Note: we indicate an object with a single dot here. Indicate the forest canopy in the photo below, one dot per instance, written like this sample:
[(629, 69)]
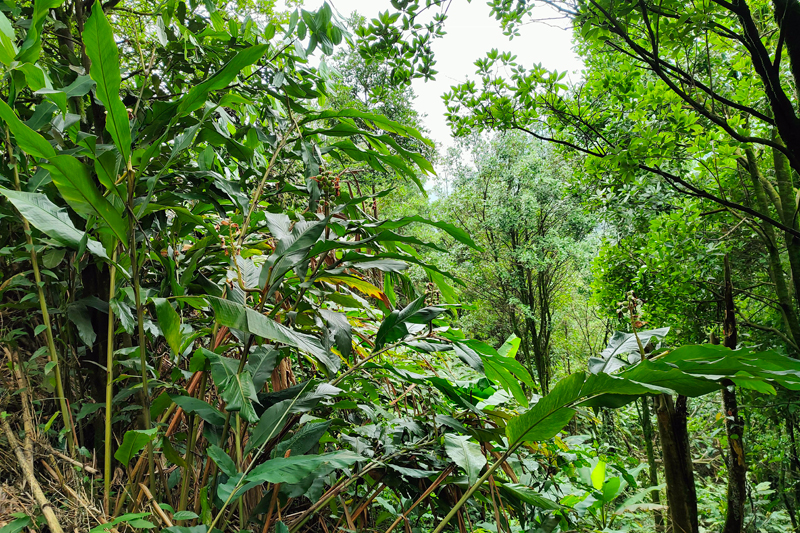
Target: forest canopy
[(243, 290)]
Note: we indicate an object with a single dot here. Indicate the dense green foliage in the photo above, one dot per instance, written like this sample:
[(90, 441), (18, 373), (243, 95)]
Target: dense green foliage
[(236, 298)]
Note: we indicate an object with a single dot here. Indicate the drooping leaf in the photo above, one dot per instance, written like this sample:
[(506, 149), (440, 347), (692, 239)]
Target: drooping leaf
[(202, 408), (76, 186), (197, 95), (170, 323), (342, 332), (237, 316), (239, 395), (48, 218), (304, 440), (134, 441), (222, 459), (261, 363), (466, 454), (529, 496), (31, 142), (294, 469)]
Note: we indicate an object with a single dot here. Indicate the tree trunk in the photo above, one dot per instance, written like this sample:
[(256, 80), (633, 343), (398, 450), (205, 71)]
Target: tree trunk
[(734, 425), (787, 15), (775, 264), (678, 471), (647, 429)]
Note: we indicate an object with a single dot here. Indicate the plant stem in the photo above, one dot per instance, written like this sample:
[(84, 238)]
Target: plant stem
[(51, 345), (239, 465), (473, 488), (109, 383), (132, 250), (187, 473)]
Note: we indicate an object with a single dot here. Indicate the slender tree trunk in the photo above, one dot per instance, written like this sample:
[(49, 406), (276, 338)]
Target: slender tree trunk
[(734, 425), (678, 471), (775, 265), (647, 429), (783, 175)]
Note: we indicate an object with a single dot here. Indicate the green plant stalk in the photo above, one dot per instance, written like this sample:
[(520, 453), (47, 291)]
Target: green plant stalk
[(132, 250), (647, 429), (238, 437), (468, 494), (341, 485), (252, 463), (51, 345), (194, 424), (109, 383)]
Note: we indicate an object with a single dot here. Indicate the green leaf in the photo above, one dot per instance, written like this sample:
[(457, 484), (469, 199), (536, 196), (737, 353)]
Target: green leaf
[(16, 526), (198, 94), (128, 517), (184, 515), (170, 324), (457, 233), (76, 186), (612, 488), (223, 460), (466, 454), (8, 50), (102, 49), (304, 440), (32, 46), (203, 409), (202, 528), (239, 394), (239, 317), (599, 474), (31, 142), (295, 469), (261, 363), (529, 496), (48, 218), (133, 442), (545, 419), (171, 454)]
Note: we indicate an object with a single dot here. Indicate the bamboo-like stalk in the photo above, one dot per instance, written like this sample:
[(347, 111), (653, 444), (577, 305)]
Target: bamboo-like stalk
[(36, 489), (154, 504), (194, 423), (109, 384), (27, 419), (468, 494), (239, 465), (133, 251), (447, 471), (51, 345)]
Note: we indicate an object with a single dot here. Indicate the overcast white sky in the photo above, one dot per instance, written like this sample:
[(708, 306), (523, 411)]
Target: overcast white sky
[(471, 32)]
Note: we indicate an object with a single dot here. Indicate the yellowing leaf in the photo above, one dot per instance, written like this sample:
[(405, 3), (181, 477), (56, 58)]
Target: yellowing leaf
[(357, 283)]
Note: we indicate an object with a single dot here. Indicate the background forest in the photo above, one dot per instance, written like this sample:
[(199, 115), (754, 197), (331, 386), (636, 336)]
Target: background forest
[(243, 291)]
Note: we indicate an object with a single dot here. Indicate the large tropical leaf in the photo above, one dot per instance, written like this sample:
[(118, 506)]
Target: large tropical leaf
[(466, 454), (102, 49), (198, 94), (31, 142), (76, 186), (237, 316), (295, 469), (170, 323), (50, 219), (134, 441)]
